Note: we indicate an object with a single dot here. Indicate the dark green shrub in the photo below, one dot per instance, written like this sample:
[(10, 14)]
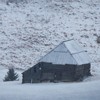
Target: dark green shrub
[(11, 75)]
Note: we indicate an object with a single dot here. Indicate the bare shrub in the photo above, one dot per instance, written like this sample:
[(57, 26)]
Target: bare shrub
[(98, 39)]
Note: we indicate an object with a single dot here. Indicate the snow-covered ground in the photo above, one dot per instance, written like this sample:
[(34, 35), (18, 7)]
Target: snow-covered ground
[(89, 89), (29, 31), (50, 91)]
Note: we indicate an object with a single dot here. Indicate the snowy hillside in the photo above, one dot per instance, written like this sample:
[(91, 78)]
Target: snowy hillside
[(29, 31)]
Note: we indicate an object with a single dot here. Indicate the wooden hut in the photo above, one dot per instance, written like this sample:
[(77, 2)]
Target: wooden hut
[(66, 62)]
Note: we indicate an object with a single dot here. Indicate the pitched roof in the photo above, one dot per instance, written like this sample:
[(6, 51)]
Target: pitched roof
[(68, 52)]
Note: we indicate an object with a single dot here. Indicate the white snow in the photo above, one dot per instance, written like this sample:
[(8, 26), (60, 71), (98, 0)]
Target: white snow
[(50, 91), (89, 89), (29, 31)]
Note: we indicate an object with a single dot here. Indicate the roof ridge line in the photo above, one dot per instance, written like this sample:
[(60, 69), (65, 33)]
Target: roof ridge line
[(79, 52), (74, 53), (67, 40), (50, 51), (61, 51), (71, 54), (54, 48)]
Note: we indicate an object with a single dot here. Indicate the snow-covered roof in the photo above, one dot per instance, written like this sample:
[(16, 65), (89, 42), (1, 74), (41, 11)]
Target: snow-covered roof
[(68, 52)]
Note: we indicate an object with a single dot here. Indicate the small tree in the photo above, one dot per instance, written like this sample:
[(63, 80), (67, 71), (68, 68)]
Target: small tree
[(11, 75)]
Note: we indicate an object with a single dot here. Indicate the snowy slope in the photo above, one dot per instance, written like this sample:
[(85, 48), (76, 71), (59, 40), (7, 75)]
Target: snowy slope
[(28, 31)]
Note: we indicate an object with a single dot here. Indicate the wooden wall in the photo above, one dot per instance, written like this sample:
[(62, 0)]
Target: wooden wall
[(54, 73)]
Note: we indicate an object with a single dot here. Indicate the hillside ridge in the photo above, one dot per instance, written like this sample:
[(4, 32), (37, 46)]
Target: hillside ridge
[(29, 31)]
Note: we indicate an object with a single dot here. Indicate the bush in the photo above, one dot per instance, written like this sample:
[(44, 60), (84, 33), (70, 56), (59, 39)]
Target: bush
[(11, 75), (98, 39)]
